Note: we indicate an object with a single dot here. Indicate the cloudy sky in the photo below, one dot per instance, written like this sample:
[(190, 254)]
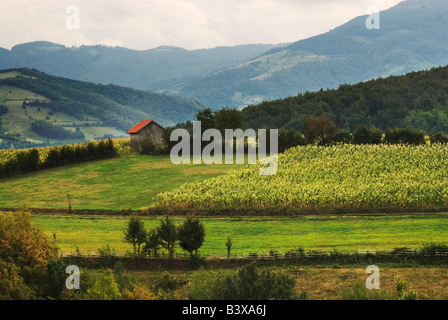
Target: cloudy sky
[(191, 24)]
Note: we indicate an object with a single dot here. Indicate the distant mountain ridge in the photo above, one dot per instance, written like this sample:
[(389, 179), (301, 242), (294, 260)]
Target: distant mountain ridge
[(412, 36), (139, 69)]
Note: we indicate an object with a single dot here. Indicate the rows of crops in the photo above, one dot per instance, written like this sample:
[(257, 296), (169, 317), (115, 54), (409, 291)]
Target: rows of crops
[(345, 176)]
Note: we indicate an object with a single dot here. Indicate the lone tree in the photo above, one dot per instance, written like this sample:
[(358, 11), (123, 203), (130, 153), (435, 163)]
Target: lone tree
[(152, 243), (135, 233), (229, 246), (191, 235), (167, 232), (319, 129)]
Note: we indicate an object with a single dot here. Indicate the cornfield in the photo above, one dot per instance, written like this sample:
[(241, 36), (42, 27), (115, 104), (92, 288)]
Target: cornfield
[(344, 176)]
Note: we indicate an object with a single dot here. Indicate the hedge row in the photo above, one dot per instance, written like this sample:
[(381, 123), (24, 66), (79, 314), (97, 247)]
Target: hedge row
[(23, 161)]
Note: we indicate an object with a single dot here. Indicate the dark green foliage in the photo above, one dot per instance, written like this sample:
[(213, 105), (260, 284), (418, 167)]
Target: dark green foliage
[(342, 136), (47, 130), (252, 283), (28, 160), (25, 161), (228, 118), (417, 99), (147, 146), (404, 136), (135, 234), (206, 117), (438, 137), (167, 232), (288, 139), (367, 135), (152, 243), (191, 235), (3, 110)]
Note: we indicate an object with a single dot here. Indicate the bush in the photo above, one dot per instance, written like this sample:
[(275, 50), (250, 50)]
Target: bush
[(3, 110), (367, 135), (147, 146), (289, 139), (342, 136), (404, 136), (438, 137), (250, 283)]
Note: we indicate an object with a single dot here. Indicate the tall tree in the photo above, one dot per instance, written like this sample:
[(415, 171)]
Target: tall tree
[(135, 233), (191, 235), (207, 119), (167, 232)]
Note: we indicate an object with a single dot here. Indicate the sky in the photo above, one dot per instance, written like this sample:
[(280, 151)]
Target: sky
[(190, 24)]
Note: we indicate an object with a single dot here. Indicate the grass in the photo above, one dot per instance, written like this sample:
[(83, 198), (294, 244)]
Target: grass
[(260, 235), (127, 182)]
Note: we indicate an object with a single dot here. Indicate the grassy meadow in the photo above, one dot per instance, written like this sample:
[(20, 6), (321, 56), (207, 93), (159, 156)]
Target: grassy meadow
[(260, 235), (127, 182)]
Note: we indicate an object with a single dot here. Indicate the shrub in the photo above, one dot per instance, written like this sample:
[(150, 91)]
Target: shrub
[(438, 137), (147, 146), (404, 136), (289, 139), (341, 136), (251, 283), (367, 135)]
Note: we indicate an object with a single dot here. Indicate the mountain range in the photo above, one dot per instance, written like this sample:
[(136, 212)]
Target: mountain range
[(138, 69), (412, 36)]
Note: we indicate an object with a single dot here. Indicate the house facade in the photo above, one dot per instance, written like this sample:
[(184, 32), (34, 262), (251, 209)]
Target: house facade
[(146, 129)]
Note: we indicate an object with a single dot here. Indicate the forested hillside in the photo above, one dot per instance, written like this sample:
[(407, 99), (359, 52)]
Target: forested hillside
[(44, 110), (417, 99)]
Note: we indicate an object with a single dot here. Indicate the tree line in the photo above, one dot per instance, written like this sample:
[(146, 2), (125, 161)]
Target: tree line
[(319, 130), (190, 236), (416, 100), (30, 160)]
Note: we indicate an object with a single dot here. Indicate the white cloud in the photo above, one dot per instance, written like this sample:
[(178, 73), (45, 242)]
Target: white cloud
[(143, 24)]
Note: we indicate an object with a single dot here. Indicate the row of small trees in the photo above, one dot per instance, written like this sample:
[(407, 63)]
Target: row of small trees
[(29, 160), (190, 236)]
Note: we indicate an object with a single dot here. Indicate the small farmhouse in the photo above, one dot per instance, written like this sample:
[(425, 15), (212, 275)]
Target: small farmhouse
[(146, 129)]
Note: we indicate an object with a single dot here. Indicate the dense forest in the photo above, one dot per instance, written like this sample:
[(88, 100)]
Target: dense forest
[(47, 130), (416, 100)]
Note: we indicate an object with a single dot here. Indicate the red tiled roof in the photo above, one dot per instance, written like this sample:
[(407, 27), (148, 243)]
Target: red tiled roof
[(140, 126)]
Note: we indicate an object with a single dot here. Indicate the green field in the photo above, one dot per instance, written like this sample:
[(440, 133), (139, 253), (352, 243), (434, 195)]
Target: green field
[(260, 235), (127, 182)]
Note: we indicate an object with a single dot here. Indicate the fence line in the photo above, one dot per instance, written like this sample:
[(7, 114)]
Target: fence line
[(267, 256)]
